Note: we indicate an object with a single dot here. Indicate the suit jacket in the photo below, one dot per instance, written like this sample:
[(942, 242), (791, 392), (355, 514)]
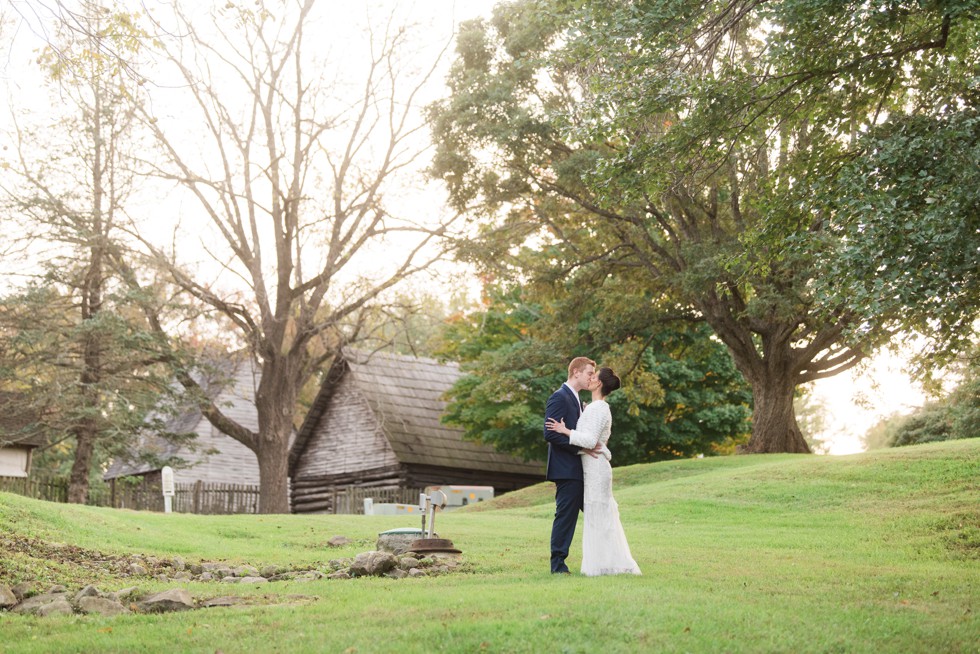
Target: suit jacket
[(564, 461)]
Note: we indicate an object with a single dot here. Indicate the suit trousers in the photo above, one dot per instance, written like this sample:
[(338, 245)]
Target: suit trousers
[(569, 496)]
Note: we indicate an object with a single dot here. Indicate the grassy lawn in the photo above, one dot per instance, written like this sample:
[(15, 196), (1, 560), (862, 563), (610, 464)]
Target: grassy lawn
[(875, 552)]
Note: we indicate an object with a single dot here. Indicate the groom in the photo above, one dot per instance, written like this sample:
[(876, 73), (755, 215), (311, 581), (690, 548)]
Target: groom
[(564, 463)]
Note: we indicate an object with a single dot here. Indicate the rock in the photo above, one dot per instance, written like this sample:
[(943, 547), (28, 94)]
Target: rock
[(211, 567), (309, 575), (175, 599), (184, 575), (178, 564), (7, 597), (228, 600), (162, 577), (408, 562), (137, 570), (337, 564), (88, 591), (270, 571), (339, 541), (415, 572), (375, 564), (101, 606), (58, 607), (57, 588), (340, 574), (221, 573), (253, 580), (24, 589), (397, 573), (195, 568), (35, 605), (205, 576), (230, 580), (246, 571)]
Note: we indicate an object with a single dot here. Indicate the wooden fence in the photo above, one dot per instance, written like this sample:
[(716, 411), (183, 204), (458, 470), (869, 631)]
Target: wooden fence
[(197, 497), (145, 496), (351, 499)]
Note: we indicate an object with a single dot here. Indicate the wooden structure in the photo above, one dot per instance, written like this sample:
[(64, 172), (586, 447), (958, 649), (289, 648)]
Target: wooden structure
[(18, 437), (376, 424), (212, 457)]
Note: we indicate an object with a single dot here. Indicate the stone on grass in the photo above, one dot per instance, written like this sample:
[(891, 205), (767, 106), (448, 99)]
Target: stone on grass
[(270, 571), (408, 562), (415, 572), (397, 573), (340, 574), (339, 541), (246, 571), (175, 599), (35, 605), (368, 564), (7, 597), (254, 580), (101, 606), (137, 570), (24, 589), (88, 591)]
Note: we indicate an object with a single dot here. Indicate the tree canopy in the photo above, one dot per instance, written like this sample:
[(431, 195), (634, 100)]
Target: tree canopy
[(714, 151)]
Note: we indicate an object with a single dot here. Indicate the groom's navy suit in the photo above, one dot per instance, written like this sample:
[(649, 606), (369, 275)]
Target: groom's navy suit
[(565, 469)]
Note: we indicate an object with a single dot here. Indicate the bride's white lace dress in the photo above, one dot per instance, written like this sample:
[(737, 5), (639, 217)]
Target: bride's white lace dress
[(604, 547)]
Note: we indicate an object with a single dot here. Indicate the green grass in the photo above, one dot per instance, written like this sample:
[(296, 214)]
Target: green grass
[(876, 552)]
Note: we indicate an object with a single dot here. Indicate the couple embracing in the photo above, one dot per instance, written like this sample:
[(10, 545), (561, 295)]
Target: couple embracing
[(578, 463)]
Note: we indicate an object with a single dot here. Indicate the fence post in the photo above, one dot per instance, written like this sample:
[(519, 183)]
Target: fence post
[(197, 496)]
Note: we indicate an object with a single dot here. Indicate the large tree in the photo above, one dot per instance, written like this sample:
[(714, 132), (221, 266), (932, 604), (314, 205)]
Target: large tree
[(293, 179), (691, 144), (76, 349)]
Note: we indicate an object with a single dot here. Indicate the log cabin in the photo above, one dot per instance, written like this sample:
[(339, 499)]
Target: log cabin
[(211, 456), (376, 424)]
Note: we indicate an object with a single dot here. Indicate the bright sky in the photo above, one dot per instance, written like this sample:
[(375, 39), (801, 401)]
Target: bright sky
[(857, 399)]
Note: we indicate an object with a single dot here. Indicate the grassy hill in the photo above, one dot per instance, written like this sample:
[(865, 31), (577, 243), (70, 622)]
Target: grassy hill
[(876, 552)]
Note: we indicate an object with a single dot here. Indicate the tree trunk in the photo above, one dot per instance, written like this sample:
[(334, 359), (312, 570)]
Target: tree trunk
[(84, 448), (273, 456), (774, 427), (274, 401)]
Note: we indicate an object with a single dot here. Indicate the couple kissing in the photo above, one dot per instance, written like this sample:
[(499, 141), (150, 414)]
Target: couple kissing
[(578, 463)]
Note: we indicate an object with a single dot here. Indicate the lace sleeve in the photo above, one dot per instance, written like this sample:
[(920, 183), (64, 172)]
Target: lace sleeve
[(588, 431)]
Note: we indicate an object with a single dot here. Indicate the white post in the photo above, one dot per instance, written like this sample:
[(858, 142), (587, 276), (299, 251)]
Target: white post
[(167, 482), (368, 506)]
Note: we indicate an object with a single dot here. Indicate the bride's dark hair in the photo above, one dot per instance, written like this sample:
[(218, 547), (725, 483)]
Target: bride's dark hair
[(609, 380)]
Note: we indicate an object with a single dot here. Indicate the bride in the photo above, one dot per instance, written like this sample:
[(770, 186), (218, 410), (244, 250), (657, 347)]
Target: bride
[(604, 547)]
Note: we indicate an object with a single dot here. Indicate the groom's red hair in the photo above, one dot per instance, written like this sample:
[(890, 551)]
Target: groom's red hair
[(578, 363)]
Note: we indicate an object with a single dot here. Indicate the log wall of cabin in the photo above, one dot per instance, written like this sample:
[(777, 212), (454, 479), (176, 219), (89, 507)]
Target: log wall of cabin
[(347, 447)]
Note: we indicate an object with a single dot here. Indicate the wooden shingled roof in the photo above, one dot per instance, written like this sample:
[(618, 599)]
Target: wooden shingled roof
[(406, 395)]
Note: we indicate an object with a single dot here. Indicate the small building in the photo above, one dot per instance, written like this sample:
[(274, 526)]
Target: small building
[(212, 457), (19, 436), (376, 424)]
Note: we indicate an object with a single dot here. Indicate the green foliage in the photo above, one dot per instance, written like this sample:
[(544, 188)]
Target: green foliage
[(955, 416), (709, 152), (42, 359), (681, 396)]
